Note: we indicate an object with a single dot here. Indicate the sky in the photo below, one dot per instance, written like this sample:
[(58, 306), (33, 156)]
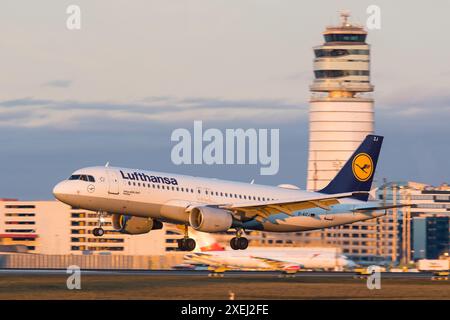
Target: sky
[(115, 90)]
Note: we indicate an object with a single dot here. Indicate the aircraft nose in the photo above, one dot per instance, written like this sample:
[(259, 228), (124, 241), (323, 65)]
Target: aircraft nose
[(59, 190)]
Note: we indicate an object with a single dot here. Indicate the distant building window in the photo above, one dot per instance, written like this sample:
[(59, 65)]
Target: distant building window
[(20, 206), (320, 74), (345, 37), (339, 52), (20, 230), (19, 214)]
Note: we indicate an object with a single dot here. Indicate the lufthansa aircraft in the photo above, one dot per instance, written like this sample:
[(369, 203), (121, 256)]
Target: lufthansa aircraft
[(140, 201)]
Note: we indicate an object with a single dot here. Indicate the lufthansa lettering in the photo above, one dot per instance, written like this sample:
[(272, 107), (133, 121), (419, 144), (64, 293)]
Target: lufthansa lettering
[(146, 178)]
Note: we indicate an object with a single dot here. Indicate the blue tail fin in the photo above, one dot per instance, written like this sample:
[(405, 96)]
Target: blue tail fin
[(357, 173)]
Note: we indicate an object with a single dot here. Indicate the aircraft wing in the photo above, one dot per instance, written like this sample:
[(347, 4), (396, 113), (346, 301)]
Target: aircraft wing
[(262, 210)]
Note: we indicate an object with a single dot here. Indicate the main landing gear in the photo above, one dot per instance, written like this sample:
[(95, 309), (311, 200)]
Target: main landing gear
[(99, 231), (239, 242), (186, 243)]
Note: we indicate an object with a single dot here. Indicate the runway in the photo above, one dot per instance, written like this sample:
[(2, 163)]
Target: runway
[(205, 273), (201, 285)]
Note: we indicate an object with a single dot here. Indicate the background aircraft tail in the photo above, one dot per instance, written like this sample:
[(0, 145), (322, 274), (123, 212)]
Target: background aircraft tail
[(357, 173), (205, 242)]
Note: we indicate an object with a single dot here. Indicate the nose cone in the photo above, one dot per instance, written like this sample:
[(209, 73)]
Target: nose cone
[(60, 190)]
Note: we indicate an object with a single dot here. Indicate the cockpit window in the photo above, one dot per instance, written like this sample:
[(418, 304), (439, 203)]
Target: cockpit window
[(82, 177)]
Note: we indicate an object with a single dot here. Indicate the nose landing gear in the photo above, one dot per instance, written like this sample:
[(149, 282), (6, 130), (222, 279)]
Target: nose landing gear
[(99, 231), (239, 242), (186, 243)]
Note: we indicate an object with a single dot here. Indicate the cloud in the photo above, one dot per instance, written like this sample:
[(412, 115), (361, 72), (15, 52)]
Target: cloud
[(29, 112), (59, 83), (71, 114)]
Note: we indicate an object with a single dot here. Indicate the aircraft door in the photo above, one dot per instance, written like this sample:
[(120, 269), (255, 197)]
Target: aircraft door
[(113, 182)]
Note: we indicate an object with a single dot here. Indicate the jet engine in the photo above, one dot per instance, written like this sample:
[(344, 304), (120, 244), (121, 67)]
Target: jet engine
[(208, 219), (134, 225)]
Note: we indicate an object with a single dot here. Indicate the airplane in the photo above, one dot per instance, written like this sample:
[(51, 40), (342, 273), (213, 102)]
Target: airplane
[(284, 259), (140, 201)]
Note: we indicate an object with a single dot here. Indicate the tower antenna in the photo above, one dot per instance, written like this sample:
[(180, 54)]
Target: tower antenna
[(345, 14)]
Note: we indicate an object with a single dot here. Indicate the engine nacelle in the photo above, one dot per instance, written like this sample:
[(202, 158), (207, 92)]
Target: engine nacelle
[(134, 225), (208, 219)]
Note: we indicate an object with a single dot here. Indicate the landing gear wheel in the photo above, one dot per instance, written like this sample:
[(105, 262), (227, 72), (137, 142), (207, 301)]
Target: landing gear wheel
[(186, 244), (239, 242), (190, 244), (234, 243), (180, 244), (98, 232), (242, 243)]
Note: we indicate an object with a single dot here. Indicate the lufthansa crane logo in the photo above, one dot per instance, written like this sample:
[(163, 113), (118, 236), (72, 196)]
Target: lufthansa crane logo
[(362, 167)]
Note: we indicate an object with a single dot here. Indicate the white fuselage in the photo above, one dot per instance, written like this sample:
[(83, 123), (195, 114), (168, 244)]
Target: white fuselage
[(168, 197)]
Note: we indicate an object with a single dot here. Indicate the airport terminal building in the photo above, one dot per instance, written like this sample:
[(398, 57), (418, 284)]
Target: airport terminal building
[(52, 227)]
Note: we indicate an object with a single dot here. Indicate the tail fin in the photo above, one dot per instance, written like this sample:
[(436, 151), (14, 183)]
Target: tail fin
[(206, 242), (357, 173)]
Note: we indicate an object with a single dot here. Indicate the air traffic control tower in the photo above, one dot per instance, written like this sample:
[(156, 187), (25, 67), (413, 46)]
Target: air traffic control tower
[(341, 110)]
